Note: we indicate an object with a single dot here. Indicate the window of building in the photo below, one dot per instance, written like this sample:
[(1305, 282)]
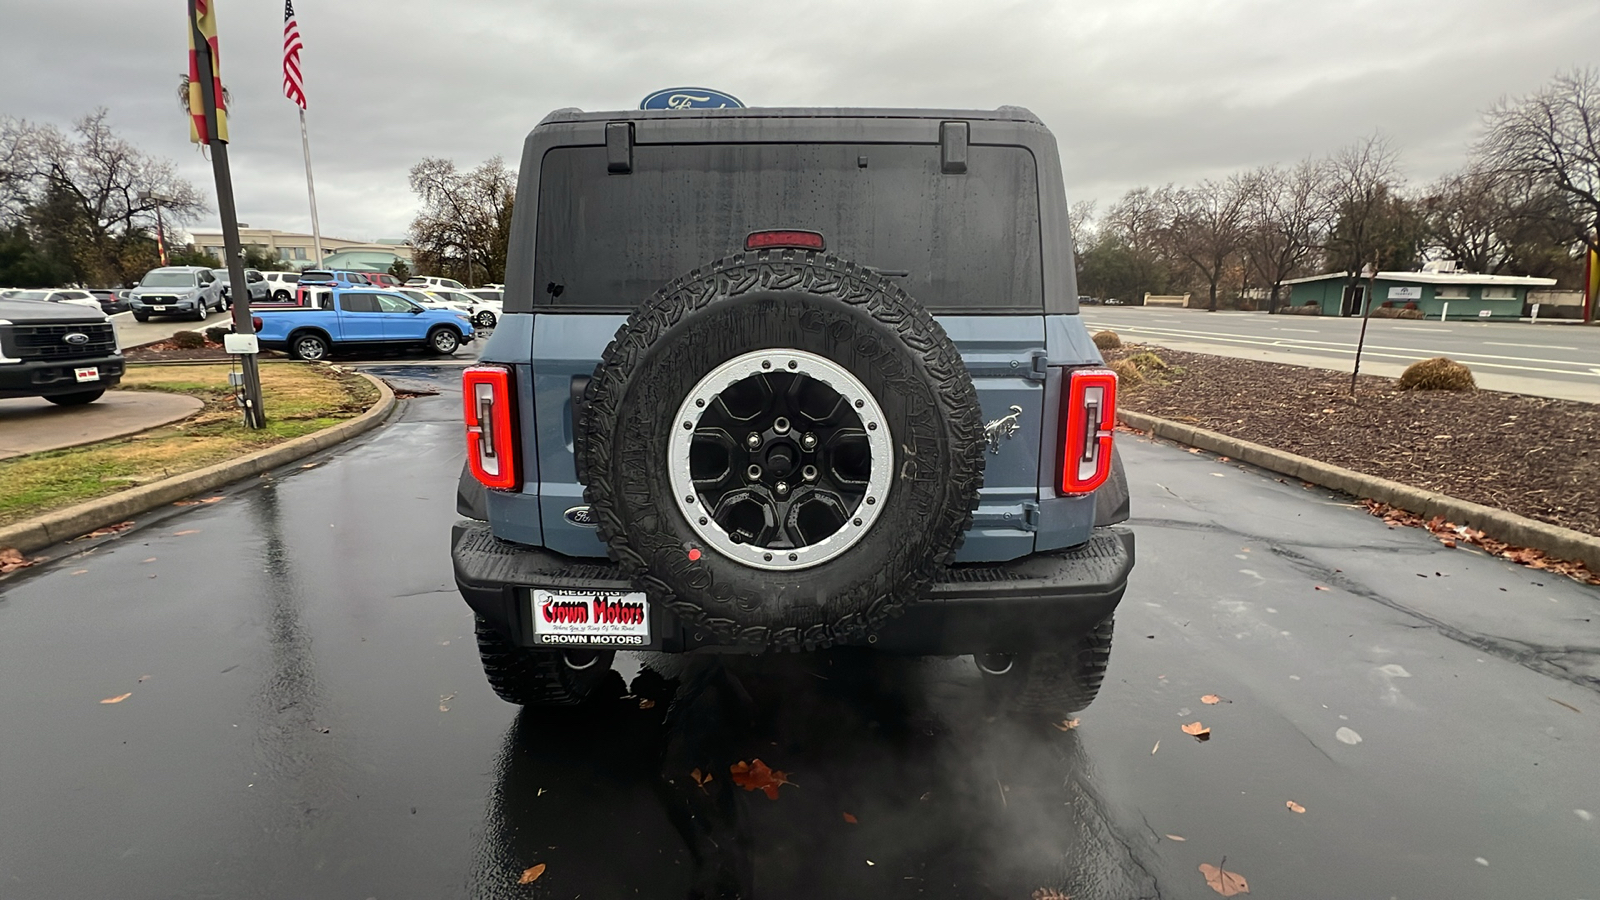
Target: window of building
[(299, 253), (1499, 293), (283, 253), (1450, 292)]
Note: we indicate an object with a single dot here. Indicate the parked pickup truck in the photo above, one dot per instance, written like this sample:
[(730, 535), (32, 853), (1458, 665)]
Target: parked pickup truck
[(64, 353), (361, 317)]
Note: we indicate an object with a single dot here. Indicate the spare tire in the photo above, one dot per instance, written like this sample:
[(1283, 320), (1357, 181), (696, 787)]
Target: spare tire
[(783, 448)]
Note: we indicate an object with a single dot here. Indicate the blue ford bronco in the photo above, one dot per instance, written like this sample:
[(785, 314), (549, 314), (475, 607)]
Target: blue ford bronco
[(785, 379)]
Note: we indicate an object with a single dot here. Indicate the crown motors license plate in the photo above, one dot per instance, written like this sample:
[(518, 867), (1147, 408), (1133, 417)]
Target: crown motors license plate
[(590, 618)]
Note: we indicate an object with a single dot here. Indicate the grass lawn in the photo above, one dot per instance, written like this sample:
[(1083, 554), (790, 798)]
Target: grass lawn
[(299, 399)]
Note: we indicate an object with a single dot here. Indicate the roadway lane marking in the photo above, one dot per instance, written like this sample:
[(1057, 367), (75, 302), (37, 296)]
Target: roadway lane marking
[(1521, 363), (1299, 330), (1529, 346)]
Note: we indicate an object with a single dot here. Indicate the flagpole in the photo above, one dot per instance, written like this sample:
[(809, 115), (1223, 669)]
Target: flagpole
[(311, 190)]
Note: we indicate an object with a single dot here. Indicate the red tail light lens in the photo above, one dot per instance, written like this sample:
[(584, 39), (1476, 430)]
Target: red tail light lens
[(1089, 411), (491, 431), (796, 240)]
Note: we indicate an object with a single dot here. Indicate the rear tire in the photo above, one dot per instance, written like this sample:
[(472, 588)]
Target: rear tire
[(443, 341), (484, 319), (1050, 683), (78, 398), (529, 677), (309, 346), (281, 296)]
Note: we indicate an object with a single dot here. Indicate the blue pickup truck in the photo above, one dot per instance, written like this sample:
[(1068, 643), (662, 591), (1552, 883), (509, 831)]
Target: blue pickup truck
[(370, 318)]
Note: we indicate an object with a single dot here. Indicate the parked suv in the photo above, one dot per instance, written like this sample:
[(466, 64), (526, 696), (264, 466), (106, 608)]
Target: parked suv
[(790, 379), (429, 283), (281, 284), (176, 291), (256, 282)]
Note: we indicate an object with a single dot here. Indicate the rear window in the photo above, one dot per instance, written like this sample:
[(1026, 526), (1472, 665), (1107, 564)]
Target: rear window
[(313, 277), (964, 243)]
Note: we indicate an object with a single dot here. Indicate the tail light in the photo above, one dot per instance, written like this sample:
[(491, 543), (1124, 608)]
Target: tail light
[(1089, 411), (491, 431), (256, 323)]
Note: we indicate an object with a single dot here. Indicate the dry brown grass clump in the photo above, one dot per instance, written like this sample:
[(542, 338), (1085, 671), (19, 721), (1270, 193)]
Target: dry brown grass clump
[(1128, 374), (1437, 374), (1107, 340), (1148, 363)]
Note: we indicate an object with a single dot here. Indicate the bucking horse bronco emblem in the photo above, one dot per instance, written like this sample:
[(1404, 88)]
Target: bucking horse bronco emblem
[(1002, 429)]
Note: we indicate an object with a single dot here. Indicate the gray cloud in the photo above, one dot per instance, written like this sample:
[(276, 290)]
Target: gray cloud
[(1137, 91)]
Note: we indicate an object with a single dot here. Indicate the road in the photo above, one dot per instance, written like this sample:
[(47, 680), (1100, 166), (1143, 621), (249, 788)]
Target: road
[(306, 718), (1543, 360)]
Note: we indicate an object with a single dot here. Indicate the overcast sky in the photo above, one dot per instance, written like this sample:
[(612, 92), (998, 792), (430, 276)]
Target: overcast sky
[(1136, 91)]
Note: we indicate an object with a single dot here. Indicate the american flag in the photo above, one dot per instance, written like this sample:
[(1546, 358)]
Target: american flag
[(293, 88)]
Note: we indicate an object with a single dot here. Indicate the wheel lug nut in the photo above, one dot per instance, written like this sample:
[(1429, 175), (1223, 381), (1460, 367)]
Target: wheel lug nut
[(753, 441), (808, 441), (782, 488)]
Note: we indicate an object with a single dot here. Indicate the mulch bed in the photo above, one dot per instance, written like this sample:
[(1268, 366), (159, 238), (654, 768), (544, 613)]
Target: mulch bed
[(169, 351), (1535, 457)]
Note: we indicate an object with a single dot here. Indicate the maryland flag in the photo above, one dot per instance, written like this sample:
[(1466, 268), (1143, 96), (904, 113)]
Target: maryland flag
[(205, 20)]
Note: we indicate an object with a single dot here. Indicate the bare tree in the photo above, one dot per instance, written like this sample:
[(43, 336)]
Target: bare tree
[(105, 190), (16, 169), (1205, 228), (1081, 221), (465, 218), (1552, 137), (1285, 222), (1361, 186)]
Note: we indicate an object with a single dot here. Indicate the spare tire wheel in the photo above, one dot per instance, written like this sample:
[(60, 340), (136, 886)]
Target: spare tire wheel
[(783, 448)]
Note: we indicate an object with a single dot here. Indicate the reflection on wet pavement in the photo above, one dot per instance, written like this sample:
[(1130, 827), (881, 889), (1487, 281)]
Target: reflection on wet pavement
[(947, 799)]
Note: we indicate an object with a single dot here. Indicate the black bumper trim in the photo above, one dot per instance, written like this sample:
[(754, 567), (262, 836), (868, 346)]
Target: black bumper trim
[(43, 378), (1039, 601)]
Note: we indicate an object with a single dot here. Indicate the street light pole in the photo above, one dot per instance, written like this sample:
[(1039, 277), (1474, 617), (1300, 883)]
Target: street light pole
[(254, 414)]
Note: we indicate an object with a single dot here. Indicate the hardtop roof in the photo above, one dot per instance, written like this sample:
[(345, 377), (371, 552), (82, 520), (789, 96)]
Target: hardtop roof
[(999, 114)]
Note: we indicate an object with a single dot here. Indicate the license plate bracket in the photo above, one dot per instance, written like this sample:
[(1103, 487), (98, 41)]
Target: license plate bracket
[(86, 373), (562, 617)]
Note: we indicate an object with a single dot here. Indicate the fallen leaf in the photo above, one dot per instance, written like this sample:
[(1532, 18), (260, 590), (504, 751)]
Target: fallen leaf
[(1567, 705), (1176, 837), (117, 699), (849, 818), (758, 776), (1200, 732), (444, 702), (1295, 807), (646, 704), (1448, 543), (212, 499), (1050, 894), (81, 572), (531, 874), (871, 863), (151, 559), (1155, 748), (186, 531), (1222, 881), (313, 466), (109, 529), (1211, 699), (12, 559), (1321, 588), (700, 780), (1065, 724)]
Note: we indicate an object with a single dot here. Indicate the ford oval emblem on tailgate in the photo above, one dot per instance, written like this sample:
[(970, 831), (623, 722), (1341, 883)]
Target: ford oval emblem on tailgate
[(76, 338), (581, 516)]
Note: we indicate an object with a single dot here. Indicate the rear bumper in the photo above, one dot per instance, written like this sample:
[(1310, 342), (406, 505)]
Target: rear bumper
[(45, 379), (1039, 601)]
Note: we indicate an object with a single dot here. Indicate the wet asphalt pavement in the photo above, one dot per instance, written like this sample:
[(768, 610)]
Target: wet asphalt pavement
[(308, 719)]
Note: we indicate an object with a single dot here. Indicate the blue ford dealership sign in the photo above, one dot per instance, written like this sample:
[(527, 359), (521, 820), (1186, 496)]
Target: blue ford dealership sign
[(690, 98)]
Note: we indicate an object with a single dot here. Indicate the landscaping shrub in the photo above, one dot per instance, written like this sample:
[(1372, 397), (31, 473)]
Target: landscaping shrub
[(1128, 374), (1307, 309), (214, 333), (189, 340), (1437, 374), (1107, 340)]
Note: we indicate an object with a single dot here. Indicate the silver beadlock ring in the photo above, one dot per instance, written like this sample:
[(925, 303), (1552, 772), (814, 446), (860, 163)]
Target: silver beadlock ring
[(879, 439)]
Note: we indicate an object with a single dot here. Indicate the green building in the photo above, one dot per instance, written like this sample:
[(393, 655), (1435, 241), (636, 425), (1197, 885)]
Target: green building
[(1454, 295)]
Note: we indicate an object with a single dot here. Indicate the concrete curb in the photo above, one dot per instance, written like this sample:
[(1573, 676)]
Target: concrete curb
[(65, 524), (1563, 543)]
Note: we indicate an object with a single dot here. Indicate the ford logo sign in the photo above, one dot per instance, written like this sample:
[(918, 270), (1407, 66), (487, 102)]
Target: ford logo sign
[(581, 516), (76, 338), (690, 98)]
